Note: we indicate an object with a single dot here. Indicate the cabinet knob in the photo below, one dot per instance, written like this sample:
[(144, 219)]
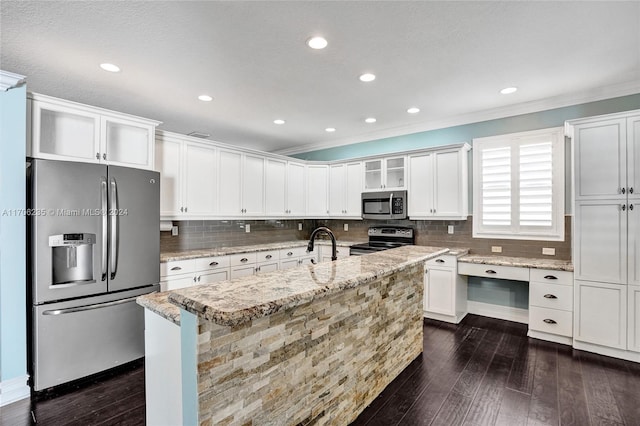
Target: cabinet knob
[(623, 190), (549, 321), (185, 209), (97, 155), (257, 269), (199, 279), (550, 296), (624, 207), (631, 190), (182, 209), (630, 206), (194, 279), (104, 156)]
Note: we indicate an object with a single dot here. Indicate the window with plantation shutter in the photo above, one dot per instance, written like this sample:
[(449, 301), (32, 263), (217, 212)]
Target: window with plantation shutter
[(519, 186)]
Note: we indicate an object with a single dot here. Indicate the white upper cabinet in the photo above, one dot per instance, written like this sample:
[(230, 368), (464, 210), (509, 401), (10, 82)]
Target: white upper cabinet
[(345, 189), (63, 130), (275, 187), (438, 184), (385, 173), (240, 184), (296, 189), (187, 176), (317, 190)]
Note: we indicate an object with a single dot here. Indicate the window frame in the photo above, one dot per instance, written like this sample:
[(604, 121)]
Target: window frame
[(515, 231)]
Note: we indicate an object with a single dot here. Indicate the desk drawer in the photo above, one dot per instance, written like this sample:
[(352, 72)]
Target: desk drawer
[(551, 321), (551, 296), (552, 277), (446, 261), (494, 271)]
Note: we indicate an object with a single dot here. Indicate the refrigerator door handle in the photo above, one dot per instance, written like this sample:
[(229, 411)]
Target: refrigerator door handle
[(89, 307), (113, 212), (105, 246)]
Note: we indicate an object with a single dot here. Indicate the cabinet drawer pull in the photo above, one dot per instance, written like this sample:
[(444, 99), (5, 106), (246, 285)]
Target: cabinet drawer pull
[(549, 296), (194, 279), (214, 264), (199, 279), (490, 271), (439, 260), (97, 155), (268, 256), (549, 321), (624, 207), (176, 268), (630, 206), (623, 190), (631, 190), (290, 253), (244, 260), (550, 277), (104, 156)]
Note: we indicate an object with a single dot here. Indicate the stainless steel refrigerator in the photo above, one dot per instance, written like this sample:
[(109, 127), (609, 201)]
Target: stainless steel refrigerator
[(94, 246)]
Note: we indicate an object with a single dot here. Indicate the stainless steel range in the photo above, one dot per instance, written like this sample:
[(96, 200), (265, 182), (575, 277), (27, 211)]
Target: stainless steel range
[(384, 238)]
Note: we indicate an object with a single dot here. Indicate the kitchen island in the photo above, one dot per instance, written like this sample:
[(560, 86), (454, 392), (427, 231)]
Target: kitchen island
[(315, 343)]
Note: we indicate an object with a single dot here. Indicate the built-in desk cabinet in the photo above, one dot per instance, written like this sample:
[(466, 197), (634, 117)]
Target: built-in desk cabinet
[(445, 292), (69, 131)]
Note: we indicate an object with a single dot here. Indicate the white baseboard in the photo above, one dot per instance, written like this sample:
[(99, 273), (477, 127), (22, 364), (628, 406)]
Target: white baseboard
[(15, 389), (603, 350), (498, 311), (563, 340)]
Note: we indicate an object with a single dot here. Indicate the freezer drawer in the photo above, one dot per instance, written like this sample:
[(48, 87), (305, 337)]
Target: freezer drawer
[(78, 338)]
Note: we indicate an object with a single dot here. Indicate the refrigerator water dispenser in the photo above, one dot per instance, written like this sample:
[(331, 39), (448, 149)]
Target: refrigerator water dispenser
[(72, 258)]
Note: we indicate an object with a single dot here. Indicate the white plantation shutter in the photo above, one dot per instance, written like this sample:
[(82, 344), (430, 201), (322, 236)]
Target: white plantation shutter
[(519, 186)]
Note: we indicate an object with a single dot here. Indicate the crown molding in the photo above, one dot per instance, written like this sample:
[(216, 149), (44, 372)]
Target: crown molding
[(592, 95), (10, 80)]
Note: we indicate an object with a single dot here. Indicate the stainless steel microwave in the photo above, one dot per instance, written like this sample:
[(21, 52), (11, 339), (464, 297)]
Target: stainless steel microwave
[(384, 205)]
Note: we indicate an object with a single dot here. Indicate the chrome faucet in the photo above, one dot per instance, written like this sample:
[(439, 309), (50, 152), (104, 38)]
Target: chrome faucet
[(334, 250)]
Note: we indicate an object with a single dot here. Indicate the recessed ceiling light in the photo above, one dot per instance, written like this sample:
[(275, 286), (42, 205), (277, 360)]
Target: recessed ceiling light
[(205, 98), (278, 121), (317, 42), (110, 67), (367, 77), (330, 129), (508, 90), (370, 120), (413, 110)]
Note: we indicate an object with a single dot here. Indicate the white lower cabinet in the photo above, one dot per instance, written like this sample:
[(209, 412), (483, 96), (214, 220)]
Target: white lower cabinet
[(185, 273), (633, 343), (445, 292), (601, 314), (551, 305)]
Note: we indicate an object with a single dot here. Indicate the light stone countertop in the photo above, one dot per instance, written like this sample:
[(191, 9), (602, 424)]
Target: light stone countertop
[(223, 251), (522, 262), (234, 302), (158, 302)]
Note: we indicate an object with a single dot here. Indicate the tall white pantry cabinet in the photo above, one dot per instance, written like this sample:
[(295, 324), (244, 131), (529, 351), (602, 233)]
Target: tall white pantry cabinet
[(606, 161)]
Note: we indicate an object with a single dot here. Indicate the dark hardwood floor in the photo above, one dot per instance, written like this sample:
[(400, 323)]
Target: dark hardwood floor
[(481, 372)]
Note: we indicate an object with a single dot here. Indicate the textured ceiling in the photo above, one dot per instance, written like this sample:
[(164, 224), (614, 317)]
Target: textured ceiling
[(450, 59)]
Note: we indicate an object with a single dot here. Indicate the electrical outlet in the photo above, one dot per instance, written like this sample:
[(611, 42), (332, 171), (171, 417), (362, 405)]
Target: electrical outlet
[(299, 227), (496, 249), (247, 228), (450, 229), (345, 227), (549, 251), (174, 230)]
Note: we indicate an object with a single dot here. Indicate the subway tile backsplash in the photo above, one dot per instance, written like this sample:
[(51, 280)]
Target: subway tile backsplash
[(202, 234)]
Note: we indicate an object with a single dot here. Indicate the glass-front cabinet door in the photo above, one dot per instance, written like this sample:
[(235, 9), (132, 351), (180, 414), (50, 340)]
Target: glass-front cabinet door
[(395, 173), (373, 174), (127, 143)]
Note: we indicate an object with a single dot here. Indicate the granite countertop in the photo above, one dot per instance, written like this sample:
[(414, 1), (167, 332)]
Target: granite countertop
[(158, 302), (522, 262), (223, 251), (239, 300), (458, 252)]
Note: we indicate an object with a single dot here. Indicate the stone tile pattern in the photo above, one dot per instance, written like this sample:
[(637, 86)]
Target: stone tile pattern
[(320, 363), (217, 233)]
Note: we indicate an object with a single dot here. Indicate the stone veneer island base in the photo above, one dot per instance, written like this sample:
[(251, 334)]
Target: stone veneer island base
[(311, 345)]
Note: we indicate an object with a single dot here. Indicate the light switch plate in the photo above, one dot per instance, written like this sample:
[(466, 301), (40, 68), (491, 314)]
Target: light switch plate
[(247, 228), (496, 249), (299, 227), (346, 227), (549, 251), (450, 229), (174, 230)]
